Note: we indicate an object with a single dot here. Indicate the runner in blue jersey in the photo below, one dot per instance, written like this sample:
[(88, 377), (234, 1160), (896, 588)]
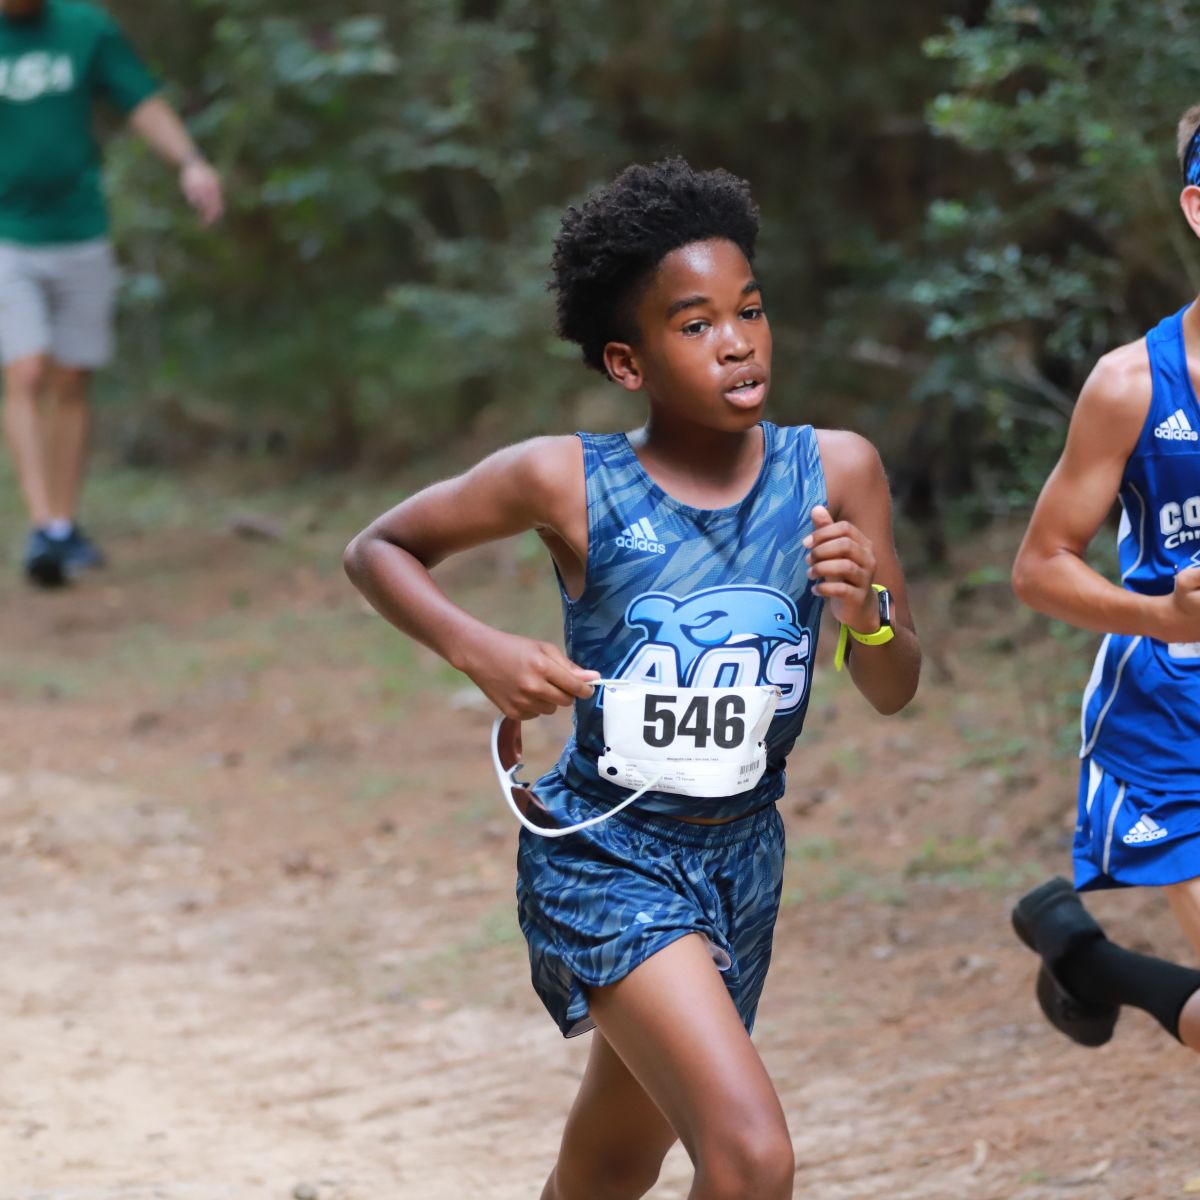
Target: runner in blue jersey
[(1134, 437), (694, 556)]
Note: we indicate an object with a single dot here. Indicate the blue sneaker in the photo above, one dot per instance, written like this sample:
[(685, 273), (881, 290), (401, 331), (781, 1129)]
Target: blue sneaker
[(45, 559), (80, 553)]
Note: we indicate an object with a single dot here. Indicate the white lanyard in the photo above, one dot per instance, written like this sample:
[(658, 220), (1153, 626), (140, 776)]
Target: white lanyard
[(701, 742)]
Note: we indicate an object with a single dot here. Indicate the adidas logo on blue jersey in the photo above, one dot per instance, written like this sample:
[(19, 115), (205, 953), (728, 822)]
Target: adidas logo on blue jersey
[(1177, 428), (1145, 829), (641, 536)]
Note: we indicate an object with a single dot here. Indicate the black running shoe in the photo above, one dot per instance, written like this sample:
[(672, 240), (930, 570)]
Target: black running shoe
[(44, 560), (1051, 921), (80, 553)]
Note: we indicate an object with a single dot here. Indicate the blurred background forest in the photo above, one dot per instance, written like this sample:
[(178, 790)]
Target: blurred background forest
[(964, 204), (256, 890)]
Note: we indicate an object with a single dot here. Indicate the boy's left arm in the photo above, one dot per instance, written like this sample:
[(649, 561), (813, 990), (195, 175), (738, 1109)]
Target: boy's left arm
[(850, 549)]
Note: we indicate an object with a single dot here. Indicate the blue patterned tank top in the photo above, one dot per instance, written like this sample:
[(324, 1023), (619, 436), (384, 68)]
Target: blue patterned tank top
[(690, 597)]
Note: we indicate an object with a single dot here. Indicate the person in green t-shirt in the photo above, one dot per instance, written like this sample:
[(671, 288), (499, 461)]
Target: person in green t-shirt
[(57, 278)]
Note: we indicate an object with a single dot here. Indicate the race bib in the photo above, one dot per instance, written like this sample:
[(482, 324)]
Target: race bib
[(702, 742)]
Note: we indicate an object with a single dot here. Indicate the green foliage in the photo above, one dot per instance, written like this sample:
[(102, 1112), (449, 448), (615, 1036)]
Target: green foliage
[(952, 235), (1069, 240), (395, 179)]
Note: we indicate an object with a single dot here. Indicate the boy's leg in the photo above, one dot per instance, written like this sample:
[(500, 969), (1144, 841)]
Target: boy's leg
[(674, 1026), (1184, 899), (1189, 1023), (1090, 973), (615, 1139)]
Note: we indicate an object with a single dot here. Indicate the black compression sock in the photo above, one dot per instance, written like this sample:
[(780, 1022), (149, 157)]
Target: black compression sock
[(1097, 972)]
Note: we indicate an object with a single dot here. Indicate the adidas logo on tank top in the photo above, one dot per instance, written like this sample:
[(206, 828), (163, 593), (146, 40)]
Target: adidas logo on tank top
[(1176, 428), (641, 536)]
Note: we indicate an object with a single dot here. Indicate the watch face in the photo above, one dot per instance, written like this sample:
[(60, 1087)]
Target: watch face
[(885, 607)]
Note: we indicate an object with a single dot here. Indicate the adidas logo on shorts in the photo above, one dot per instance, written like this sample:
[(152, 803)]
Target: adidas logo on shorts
[(641, 536), (1146, 829), (1177, 428)]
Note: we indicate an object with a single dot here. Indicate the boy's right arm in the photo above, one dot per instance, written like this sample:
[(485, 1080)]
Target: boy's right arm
[(533, 485), (1051, 574)]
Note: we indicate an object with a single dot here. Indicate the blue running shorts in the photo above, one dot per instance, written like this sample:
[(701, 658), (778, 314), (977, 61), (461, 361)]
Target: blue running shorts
[(1127, 836), (597, 903)]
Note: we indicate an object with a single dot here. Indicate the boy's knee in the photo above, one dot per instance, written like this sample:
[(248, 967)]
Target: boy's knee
[(753, 1161), (617, 1175)]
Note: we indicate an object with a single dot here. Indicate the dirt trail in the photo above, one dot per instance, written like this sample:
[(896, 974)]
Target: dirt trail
[(255, 904)]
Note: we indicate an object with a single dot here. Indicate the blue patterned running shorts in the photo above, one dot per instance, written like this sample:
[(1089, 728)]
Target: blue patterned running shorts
[(596, 904)]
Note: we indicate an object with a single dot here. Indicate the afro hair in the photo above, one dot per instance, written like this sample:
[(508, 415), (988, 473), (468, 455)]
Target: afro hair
[(611, 245)]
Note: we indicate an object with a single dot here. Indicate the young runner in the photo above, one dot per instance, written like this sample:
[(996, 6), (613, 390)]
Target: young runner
[(1134, 436), (58, 282), (694, 556)]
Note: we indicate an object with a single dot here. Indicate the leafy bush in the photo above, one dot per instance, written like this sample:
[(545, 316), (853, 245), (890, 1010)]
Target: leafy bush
[(1069, 241), (396, 178)]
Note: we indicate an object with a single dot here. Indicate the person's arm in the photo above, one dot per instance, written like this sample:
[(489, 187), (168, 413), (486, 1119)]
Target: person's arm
[(533, 485), (852, 548), (1051, 574), (119, 76), (168, 137)]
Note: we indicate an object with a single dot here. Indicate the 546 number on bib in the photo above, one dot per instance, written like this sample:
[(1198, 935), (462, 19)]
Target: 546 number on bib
[(723, 721)]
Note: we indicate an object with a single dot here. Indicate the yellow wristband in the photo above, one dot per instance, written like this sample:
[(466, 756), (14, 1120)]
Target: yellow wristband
[(843, 642), (880, 637)]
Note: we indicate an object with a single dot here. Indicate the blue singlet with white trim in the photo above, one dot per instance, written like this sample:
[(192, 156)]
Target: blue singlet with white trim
[(1141, 710), (689, 597)]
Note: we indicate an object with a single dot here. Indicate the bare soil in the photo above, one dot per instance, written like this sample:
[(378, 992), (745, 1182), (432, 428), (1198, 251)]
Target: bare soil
[(258, 931)]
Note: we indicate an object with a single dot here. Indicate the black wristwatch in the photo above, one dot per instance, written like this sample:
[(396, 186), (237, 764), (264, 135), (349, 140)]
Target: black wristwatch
[(885, 632)]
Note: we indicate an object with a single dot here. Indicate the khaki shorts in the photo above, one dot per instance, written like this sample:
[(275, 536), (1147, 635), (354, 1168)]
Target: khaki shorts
[(58, 300)]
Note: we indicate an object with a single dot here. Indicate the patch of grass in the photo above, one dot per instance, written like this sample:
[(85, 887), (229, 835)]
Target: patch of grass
[(939, 856), (1009, 749), (968, 862), (1016, 877), (476, 812), (35, 682), (999, 643), (823, 883), (372, 786), (497, 928), (988, 575), (442, 971), (174, 662), (850, 881), (142, 501), (849, 760), (815, 849)]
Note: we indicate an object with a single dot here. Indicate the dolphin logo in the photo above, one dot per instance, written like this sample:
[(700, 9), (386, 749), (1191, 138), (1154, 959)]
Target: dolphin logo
[(721, 616)]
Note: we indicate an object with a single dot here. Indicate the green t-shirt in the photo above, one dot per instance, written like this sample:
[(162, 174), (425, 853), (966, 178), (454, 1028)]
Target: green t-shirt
[(51, 68)]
